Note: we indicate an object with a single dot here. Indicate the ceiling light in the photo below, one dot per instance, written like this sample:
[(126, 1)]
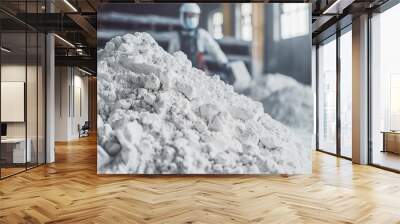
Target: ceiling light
[(79, 51), (64, 40), (70, 5), (5, 50), (84, 71)]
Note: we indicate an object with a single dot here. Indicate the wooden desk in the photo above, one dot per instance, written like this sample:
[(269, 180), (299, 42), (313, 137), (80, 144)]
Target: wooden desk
[(13, 150), (391, 141)]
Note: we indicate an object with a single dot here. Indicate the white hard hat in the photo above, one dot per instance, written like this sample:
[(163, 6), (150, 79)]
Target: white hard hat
[(190, 8)]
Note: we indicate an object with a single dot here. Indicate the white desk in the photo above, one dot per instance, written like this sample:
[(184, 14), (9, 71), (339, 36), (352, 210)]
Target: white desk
[(18, 149)]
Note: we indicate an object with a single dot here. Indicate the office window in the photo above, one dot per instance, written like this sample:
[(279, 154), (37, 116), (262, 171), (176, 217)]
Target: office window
[(294, 20), (216, 25), (327, 96), (246, 31), (346, 94), (394, 101), (385, 89)]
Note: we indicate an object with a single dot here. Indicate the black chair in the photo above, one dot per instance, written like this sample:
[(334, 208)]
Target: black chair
[(84, 130)]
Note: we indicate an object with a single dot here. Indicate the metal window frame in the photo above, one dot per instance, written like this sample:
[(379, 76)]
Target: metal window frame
[(339, 32), (386, 6)]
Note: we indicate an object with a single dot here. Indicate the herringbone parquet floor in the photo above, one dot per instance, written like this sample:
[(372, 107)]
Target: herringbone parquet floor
[(70, 191)]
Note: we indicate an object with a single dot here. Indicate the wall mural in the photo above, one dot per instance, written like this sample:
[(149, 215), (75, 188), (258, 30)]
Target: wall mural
[(184, 89)]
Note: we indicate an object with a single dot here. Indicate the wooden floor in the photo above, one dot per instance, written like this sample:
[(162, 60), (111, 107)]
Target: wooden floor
[(70, 191), (10, 171), (387, 159)]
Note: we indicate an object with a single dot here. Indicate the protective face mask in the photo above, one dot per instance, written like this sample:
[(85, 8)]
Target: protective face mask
[(191, 22)]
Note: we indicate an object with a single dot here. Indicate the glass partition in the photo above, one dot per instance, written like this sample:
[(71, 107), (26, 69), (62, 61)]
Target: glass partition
[(13, 94), (22, 78), (327, 96), (31, 99), (41, 109)]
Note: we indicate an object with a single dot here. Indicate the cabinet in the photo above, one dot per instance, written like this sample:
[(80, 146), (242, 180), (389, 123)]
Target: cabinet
[(391, 142)]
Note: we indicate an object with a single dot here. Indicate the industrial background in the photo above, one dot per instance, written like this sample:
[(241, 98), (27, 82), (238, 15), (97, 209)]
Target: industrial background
[(254, 33)]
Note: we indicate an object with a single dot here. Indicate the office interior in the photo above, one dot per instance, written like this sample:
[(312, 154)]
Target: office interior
[(27, 63)]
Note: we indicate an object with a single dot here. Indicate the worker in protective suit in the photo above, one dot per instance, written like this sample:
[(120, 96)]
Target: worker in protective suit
[(195, 42)]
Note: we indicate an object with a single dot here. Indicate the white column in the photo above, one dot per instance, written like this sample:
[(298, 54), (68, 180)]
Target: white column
[(360, 90), (50, 108), (50, 93)]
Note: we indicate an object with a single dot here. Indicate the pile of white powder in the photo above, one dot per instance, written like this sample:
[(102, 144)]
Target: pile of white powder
[(285, 99), (262, 86), (158, 115), (292, 106)]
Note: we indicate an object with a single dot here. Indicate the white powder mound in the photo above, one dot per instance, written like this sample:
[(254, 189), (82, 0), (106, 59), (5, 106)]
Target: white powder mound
[(286, 100), (293, 106), (158, 115), (262, 86)]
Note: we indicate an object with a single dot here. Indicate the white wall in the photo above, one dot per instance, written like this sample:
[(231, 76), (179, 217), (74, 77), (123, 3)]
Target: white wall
[(12, 73), (33, 126), (70, 83), (79, 117), (61, 103)]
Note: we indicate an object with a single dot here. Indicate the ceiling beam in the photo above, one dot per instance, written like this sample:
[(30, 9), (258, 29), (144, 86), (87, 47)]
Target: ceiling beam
[(321, 22), (86, 27), (78, 61), (337, 7)]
